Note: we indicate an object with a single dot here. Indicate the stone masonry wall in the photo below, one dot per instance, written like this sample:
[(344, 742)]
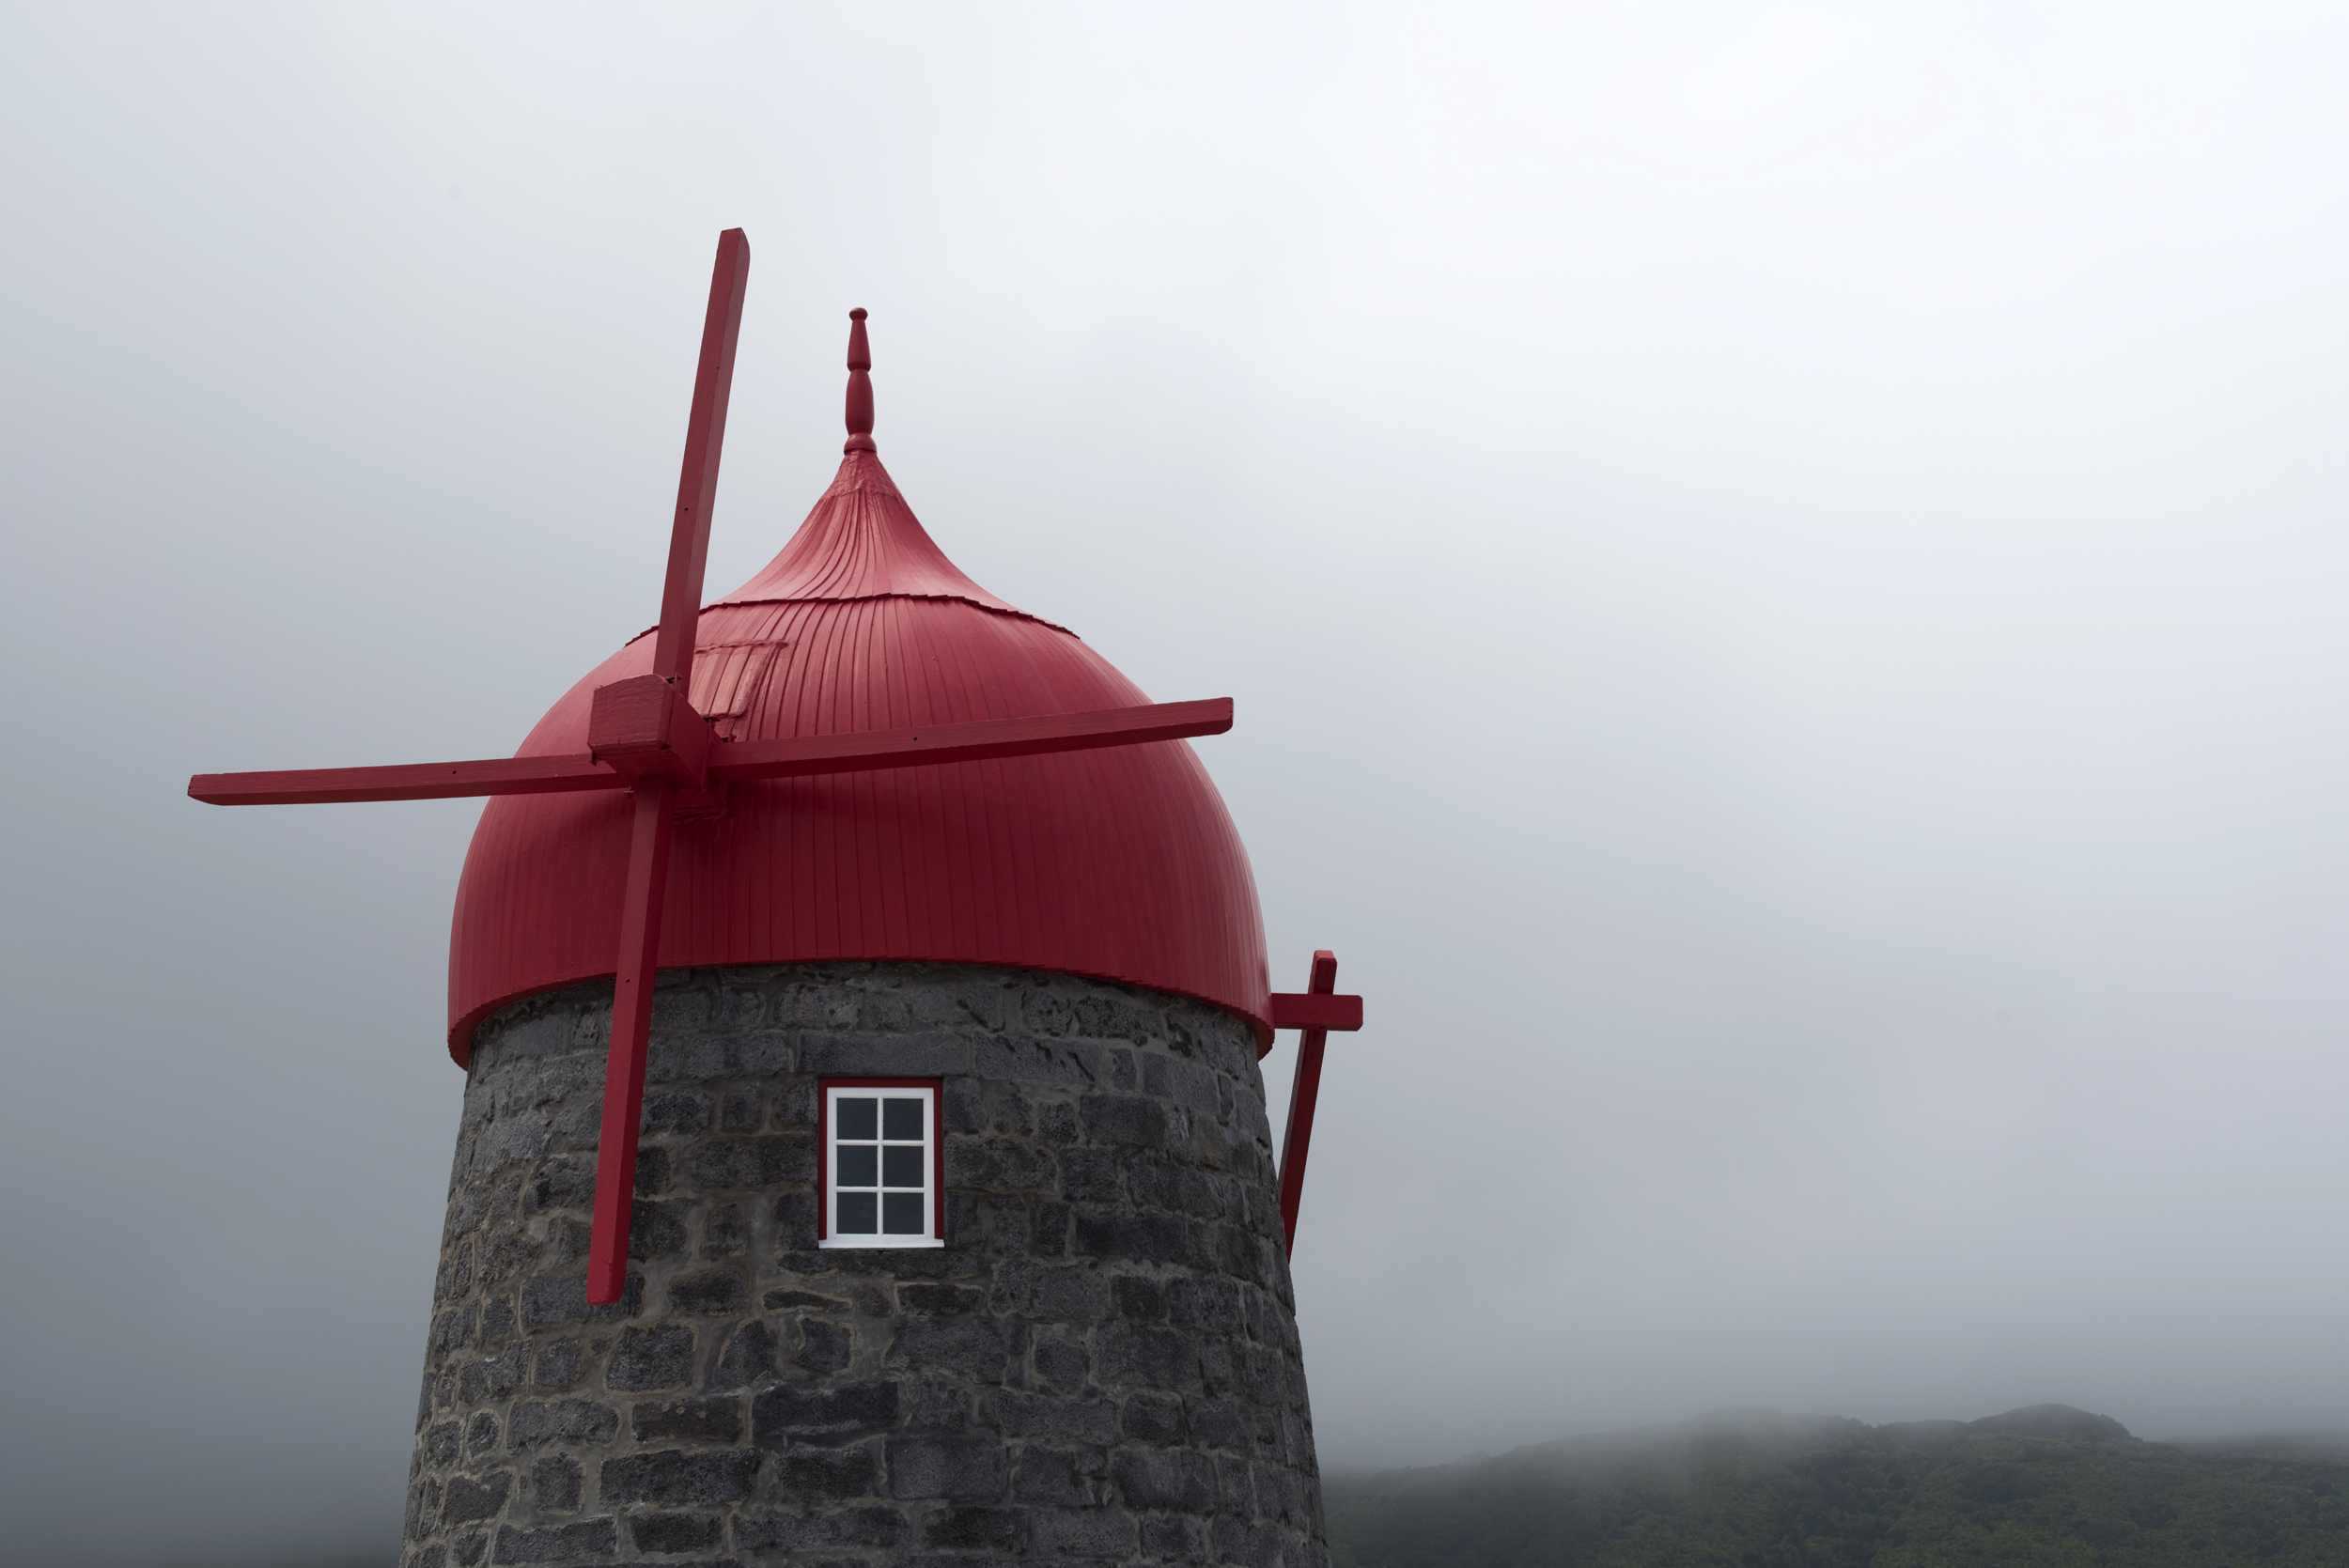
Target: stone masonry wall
[(1100, 1366)]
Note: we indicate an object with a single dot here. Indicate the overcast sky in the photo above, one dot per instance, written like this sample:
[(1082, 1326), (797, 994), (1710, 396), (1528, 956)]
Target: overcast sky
[(1781, 568)]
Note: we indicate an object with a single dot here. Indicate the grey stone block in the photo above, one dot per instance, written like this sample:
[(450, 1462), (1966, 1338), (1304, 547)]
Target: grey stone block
[(681, 1111), (1130, 1237), (713, 1420), (884, 1056), (1132, 1120), (656, 1358), (1026, 1415), (679, 1476), (1152, 1419), (1047, 1478), (870, 1526), (561, 1420), (992, 1530), (548, 1301), (712, 1290), (827, 1413), (962, 1468), (1183, 1540), (820, 1474), (474, 1498), (1165, 1479), (972, 1346), (441, 1445), (755, 1162), (676, 1532), (1082, 1532), (587, 1539)]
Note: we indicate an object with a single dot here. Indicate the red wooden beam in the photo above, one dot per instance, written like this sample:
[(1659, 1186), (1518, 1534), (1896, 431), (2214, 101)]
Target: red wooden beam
[(648, 843), (697, 485), (631, 1027), (1303, 1090), (415, 780), (858, 750)]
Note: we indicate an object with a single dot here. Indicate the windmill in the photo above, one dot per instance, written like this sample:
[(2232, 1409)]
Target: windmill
[(596, 853)]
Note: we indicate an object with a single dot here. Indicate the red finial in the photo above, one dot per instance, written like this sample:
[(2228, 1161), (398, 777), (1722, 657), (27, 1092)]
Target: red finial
[(859, 386)]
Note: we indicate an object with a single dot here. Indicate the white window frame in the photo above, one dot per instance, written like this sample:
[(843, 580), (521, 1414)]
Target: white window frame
[(933, 1164)]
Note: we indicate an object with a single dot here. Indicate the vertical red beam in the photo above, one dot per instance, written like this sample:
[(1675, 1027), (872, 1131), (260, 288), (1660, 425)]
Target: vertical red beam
[(648, 839), (1303, 1092), (632, 1024)]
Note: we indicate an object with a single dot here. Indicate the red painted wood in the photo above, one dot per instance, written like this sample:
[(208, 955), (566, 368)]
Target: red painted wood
[(857, 752), (645, 730), (1305, 1010), (1304, 1090), (419, 780), (645, 725), (705, 440), (631, 1023)]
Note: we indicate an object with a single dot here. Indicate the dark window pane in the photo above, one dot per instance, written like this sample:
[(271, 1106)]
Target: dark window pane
[(903, 1166), (903, 1211), (855, 1117), (854, 1214), (901, 1119), (857, 1166)]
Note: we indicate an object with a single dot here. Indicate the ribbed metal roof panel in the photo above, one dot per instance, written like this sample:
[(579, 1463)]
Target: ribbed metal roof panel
[(1120, 862)]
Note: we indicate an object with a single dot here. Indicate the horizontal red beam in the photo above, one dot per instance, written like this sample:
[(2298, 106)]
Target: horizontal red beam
[(866, 749), (416, 780), (737, 762), (1316, 1010)]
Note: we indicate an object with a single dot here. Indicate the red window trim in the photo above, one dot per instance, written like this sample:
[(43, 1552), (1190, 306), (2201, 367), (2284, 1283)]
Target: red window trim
[(824, 1086)]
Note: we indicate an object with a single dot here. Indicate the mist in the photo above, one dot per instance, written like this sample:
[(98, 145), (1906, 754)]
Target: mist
[(1779, 566)]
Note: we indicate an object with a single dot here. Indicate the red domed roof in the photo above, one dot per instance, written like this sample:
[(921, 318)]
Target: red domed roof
[(1119, 862)]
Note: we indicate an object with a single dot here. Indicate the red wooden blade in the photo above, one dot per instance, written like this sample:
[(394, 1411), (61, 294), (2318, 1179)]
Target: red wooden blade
[(863, 749), (417, 781), (632, 1024), (697, 485), (648, 843), (858, 750), (1303, 1090)]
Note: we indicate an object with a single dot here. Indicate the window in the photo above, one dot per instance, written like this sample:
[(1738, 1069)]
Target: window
[(884, 1166)]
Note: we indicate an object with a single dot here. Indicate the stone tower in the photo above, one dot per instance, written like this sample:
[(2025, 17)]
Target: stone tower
[(956, 1236)]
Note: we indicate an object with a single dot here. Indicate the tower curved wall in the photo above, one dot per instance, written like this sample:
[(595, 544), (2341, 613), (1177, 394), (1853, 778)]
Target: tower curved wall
[(1101, 1364)]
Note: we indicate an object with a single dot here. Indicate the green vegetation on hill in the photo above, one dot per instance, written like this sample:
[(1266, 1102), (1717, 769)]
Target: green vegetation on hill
[(2047, 1486)]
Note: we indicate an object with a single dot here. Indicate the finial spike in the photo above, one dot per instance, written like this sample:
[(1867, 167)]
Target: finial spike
[(859, 386)]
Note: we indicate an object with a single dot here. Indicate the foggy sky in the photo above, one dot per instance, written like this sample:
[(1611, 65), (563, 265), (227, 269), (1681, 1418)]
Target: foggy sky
[(1780, 568)]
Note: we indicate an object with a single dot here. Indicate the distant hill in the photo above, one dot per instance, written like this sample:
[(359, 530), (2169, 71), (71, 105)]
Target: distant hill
[(2045, 1485)]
